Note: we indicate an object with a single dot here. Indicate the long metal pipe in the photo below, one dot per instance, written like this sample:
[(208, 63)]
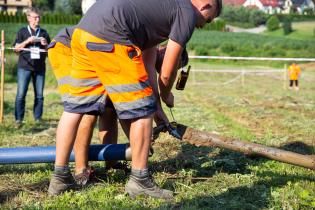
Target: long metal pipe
[(97, 152)]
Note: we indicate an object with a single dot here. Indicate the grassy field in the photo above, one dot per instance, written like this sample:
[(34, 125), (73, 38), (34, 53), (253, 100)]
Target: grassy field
[(202, 178), (301, 31), (260, 111)]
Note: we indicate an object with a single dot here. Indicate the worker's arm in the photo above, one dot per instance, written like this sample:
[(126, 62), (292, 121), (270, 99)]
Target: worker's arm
[(169, 70), (149, 59)]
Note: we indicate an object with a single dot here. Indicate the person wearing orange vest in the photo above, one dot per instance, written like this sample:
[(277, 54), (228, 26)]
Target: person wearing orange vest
[(294, 73)]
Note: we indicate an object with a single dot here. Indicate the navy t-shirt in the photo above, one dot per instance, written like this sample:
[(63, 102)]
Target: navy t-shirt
[(144, 23), (25, 60)]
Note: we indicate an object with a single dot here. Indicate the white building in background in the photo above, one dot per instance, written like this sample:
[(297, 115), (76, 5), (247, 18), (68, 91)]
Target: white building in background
[(274, 6), (268, 6), (13, 6)]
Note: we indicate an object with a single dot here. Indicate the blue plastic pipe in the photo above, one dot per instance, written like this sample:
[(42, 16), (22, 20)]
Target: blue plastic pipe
[(97, 152)]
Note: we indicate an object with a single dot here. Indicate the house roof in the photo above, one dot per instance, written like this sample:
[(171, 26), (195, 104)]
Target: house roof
[(272, 3)]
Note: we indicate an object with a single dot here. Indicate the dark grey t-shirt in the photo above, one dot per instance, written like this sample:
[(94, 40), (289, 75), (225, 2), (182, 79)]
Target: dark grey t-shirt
[(144, 23), (64, 36)]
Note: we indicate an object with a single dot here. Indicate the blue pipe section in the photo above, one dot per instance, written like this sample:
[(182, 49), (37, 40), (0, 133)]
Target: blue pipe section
[(97, 152)]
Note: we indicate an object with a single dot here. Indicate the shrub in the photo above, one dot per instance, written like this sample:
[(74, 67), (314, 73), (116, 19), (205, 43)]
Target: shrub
[(273, 23), (287, 26), (228, 47), (217, 25), (48, 18), (245, 16), (257, 17), (201, 50), (308, 11)]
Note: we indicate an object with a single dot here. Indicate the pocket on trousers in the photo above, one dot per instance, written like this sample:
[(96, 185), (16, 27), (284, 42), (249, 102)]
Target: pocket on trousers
[(103, 47), (134, 53), (104, 56)]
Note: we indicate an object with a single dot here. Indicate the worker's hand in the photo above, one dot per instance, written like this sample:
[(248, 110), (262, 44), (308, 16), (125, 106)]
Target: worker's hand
[(168, 100), (43, 41), (160, 116)]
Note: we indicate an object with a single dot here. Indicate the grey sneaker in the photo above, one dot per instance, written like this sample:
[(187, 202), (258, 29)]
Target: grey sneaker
[(84, 178), (59, 183), (146, 186)]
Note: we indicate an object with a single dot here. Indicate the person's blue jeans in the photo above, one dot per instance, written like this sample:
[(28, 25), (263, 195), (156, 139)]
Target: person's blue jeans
[(24, 77)]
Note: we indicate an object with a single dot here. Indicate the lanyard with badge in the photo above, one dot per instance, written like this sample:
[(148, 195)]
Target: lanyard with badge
[(35, 54)]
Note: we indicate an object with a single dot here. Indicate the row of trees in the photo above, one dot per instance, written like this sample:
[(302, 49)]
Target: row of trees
[(244, 16), (59, 6), (48, 18), (250, 17)]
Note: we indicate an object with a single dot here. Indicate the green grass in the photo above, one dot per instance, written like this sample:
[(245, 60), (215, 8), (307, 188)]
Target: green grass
[(261, 111), (301, 31), (202, 177), (244, 44)]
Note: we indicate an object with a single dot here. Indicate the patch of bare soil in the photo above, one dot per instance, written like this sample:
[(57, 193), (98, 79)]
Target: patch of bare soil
[(308, 66)]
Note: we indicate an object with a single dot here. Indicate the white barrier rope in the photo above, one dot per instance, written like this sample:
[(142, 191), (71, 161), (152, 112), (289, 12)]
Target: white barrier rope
[(250, 58), (237, 70), (241, 73), (26, 49)]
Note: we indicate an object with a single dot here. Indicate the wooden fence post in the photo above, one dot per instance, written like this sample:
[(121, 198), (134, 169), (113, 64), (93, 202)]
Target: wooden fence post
[(2, 78), (285, 77)]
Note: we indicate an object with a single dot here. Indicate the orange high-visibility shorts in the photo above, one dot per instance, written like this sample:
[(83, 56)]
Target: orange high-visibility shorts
[(120, 69), (60, 57)]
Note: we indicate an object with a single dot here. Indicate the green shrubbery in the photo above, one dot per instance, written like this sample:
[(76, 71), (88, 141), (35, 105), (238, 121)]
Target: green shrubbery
[(48, 18), (251, 17), (287, 26), (242, 44), (296, 17), (273, 23), (217, 25)]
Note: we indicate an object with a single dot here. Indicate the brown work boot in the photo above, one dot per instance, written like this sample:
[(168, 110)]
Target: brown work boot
[(146, 186), (59, 183)]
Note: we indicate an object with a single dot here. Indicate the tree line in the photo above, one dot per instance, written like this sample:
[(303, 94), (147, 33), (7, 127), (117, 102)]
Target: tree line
[(59, 6)]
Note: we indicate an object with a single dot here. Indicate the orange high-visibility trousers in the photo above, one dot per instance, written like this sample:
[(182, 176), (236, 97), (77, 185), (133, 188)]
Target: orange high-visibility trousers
[(120, 69), (60, 57)]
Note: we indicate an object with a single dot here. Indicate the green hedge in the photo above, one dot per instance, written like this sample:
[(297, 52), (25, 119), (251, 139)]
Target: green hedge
[(49, 18), (243, 44), (295, 17), (249, 16)]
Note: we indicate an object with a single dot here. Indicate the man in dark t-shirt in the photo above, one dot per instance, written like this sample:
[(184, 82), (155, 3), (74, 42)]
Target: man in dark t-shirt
[(115, 42), (31, 43)]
